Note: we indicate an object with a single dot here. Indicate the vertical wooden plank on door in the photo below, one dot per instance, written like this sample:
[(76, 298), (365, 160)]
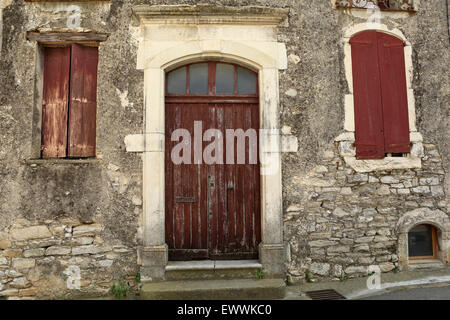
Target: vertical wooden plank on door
[(55, 102), (169, 184), (240, 196), (83, 101), (394, 95), (205, 189), (177, 190), (186, 176), (221, 186), (369, 138), (257, 179), (212, 189), (249, 185), (194, 188), (230, 180)]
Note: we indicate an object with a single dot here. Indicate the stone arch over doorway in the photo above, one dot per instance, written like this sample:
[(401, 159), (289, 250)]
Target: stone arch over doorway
[(416, 217)]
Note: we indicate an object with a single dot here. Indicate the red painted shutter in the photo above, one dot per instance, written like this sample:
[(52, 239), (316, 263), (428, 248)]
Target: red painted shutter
[(369, 140), (55, 102), (394, 95), (83, 101)]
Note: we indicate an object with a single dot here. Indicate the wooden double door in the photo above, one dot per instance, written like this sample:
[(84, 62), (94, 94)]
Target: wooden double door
[(212, 209)]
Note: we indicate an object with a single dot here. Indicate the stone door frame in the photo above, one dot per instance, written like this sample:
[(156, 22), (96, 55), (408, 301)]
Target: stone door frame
[(177, 35)]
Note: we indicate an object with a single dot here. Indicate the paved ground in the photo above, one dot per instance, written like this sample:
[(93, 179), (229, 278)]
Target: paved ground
[(393, 285), (405, 285), (429, 293)]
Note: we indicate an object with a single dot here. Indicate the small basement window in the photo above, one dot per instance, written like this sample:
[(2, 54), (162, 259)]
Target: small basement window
[(422, 242)]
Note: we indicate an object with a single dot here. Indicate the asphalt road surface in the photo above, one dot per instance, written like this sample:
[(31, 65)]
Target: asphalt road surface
[(430, 293)]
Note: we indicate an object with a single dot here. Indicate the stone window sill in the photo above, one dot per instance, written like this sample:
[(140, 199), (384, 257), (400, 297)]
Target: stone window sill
[(49, 162), (412, 161), (388, 163), (425, 264)]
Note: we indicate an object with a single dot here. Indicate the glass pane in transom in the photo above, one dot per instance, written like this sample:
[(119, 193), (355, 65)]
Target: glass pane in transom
[(224, 78), (176, 81), (198, 78), (246, 81)]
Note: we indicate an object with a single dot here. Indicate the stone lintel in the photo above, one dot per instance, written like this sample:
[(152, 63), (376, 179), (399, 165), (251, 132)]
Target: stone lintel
[(66, 37), (209, 14)]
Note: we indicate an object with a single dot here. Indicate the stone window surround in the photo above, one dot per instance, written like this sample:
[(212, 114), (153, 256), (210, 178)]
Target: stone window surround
[(219, 33), (416, 6), (347, 138), (419, 216)]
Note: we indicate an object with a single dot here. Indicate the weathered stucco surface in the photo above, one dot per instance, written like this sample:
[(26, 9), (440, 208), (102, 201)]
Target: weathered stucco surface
[(337, 221), (104, 193)]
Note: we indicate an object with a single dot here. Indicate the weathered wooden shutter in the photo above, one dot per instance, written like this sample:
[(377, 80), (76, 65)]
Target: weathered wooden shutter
[(55, 102), (83, 101), (369, 140), (394, 95)]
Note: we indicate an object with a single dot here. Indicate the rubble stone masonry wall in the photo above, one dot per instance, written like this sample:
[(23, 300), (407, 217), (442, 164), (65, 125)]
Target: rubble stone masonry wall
[(347, 221)]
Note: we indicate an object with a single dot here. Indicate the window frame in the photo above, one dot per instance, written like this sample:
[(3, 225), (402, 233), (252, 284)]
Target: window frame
[(40, 40), (211, 96), (381, 114), (433, 240), (66, 44), (346, 137)]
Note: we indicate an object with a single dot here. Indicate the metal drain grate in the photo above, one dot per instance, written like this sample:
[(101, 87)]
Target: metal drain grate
[(328, 294)]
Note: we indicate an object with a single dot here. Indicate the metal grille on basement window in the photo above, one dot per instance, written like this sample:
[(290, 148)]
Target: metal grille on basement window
[(388, 5)]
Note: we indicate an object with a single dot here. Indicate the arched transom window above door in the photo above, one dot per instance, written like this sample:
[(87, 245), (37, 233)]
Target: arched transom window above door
[(212, 79)]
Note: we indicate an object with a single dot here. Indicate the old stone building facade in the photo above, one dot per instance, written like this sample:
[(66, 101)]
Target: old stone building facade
[(86, 221)]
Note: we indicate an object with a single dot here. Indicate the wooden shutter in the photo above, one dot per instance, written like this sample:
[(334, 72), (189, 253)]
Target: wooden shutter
[(55, 102), (83, 101), (394, 96), (369, 140)]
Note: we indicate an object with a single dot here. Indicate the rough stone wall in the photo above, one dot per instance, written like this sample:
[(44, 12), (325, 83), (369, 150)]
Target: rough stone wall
[(347, 221), (55, 215), (338, 222), (47, 258)]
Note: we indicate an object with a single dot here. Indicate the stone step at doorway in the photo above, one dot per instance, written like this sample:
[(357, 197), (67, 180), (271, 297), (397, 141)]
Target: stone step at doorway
[(236, 289), (213, 270), (425, 264)]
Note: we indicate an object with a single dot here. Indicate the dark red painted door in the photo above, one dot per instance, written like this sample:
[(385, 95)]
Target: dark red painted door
[(212, 206)]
